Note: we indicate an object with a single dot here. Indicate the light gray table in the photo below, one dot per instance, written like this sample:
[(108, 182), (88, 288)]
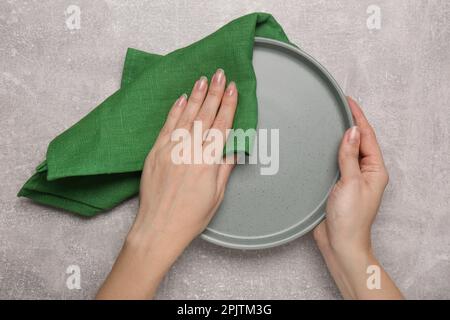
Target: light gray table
[(51, 76)]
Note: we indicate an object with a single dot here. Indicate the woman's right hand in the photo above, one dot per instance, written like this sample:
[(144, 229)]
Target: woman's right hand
[(344, 236)]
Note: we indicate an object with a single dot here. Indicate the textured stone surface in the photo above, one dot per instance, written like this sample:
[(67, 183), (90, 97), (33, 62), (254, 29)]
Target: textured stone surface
[(50, 77)]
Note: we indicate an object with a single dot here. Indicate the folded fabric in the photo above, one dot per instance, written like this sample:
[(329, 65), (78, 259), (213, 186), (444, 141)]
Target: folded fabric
[(96, 164)]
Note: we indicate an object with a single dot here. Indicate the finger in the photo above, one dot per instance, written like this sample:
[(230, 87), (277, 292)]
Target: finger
[(208, 111), (225, 169), (172, 118), (225, 115), (194, 103), (349, 154), (370, 150)]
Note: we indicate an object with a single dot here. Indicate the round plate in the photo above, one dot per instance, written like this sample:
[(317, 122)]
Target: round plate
[(297, 96)]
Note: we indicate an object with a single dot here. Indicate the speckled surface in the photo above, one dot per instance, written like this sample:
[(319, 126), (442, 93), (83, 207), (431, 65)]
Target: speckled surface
[(51, 76)]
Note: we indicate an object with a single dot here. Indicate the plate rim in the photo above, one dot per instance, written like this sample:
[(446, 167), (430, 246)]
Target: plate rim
[(320, 209)]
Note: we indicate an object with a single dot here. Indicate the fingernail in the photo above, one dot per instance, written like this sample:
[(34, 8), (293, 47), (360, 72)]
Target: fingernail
[(201, 83), (181, 100), (353, 137), (218, 76), (231, 88)]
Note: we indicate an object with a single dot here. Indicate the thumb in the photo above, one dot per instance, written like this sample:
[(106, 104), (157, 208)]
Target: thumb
[(349, 153)]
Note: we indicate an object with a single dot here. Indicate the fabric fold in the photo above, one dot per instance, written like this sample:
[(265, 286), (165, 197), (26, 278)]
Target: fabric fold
[(96, 164)]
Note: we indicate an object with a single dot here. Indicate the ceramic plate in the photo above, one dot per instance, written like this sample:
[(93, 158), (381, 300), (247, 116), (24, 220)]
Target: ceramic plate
[(300, 99)]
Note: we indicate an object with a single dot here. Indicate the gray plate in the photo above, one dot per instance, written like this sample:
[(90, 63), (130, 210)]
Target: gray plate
[(300, 98)]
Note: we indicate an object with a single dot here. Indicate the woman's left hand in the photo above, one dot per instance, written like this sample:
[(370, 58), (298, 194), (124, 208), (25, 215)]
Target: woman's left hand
[(177, 201)]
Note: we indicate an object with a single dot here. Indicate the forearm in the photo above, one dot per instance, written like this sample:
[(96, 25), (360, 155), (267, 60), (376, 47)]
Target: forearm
[(140, 266), (359, 275)]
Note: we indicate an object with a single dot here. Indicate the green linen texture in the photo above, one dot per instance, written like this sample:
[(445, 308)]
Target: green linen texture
[(96, 164)]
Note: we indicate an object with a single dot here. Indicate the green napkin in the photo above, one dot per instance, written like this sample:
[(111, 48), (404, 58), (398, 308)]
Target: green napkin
[(96, 164)]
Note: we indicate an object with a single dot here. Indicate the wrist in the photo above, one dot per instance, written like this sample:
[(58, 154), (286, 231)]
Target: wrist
[(354, 267), (150, 243), (349, 268), (145, 258), (355, 259), (351, 252), (152, 230), (354, 248)]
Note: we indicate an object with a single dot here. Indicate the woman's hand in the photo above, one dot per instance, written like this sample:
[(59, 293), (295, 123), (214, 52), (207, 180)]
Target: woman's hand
[(177, 201), (344, 236)]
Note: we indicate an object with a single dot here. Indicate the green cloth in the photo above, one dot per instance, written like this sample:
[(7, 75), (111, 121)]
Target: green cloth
[(96, 164)]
